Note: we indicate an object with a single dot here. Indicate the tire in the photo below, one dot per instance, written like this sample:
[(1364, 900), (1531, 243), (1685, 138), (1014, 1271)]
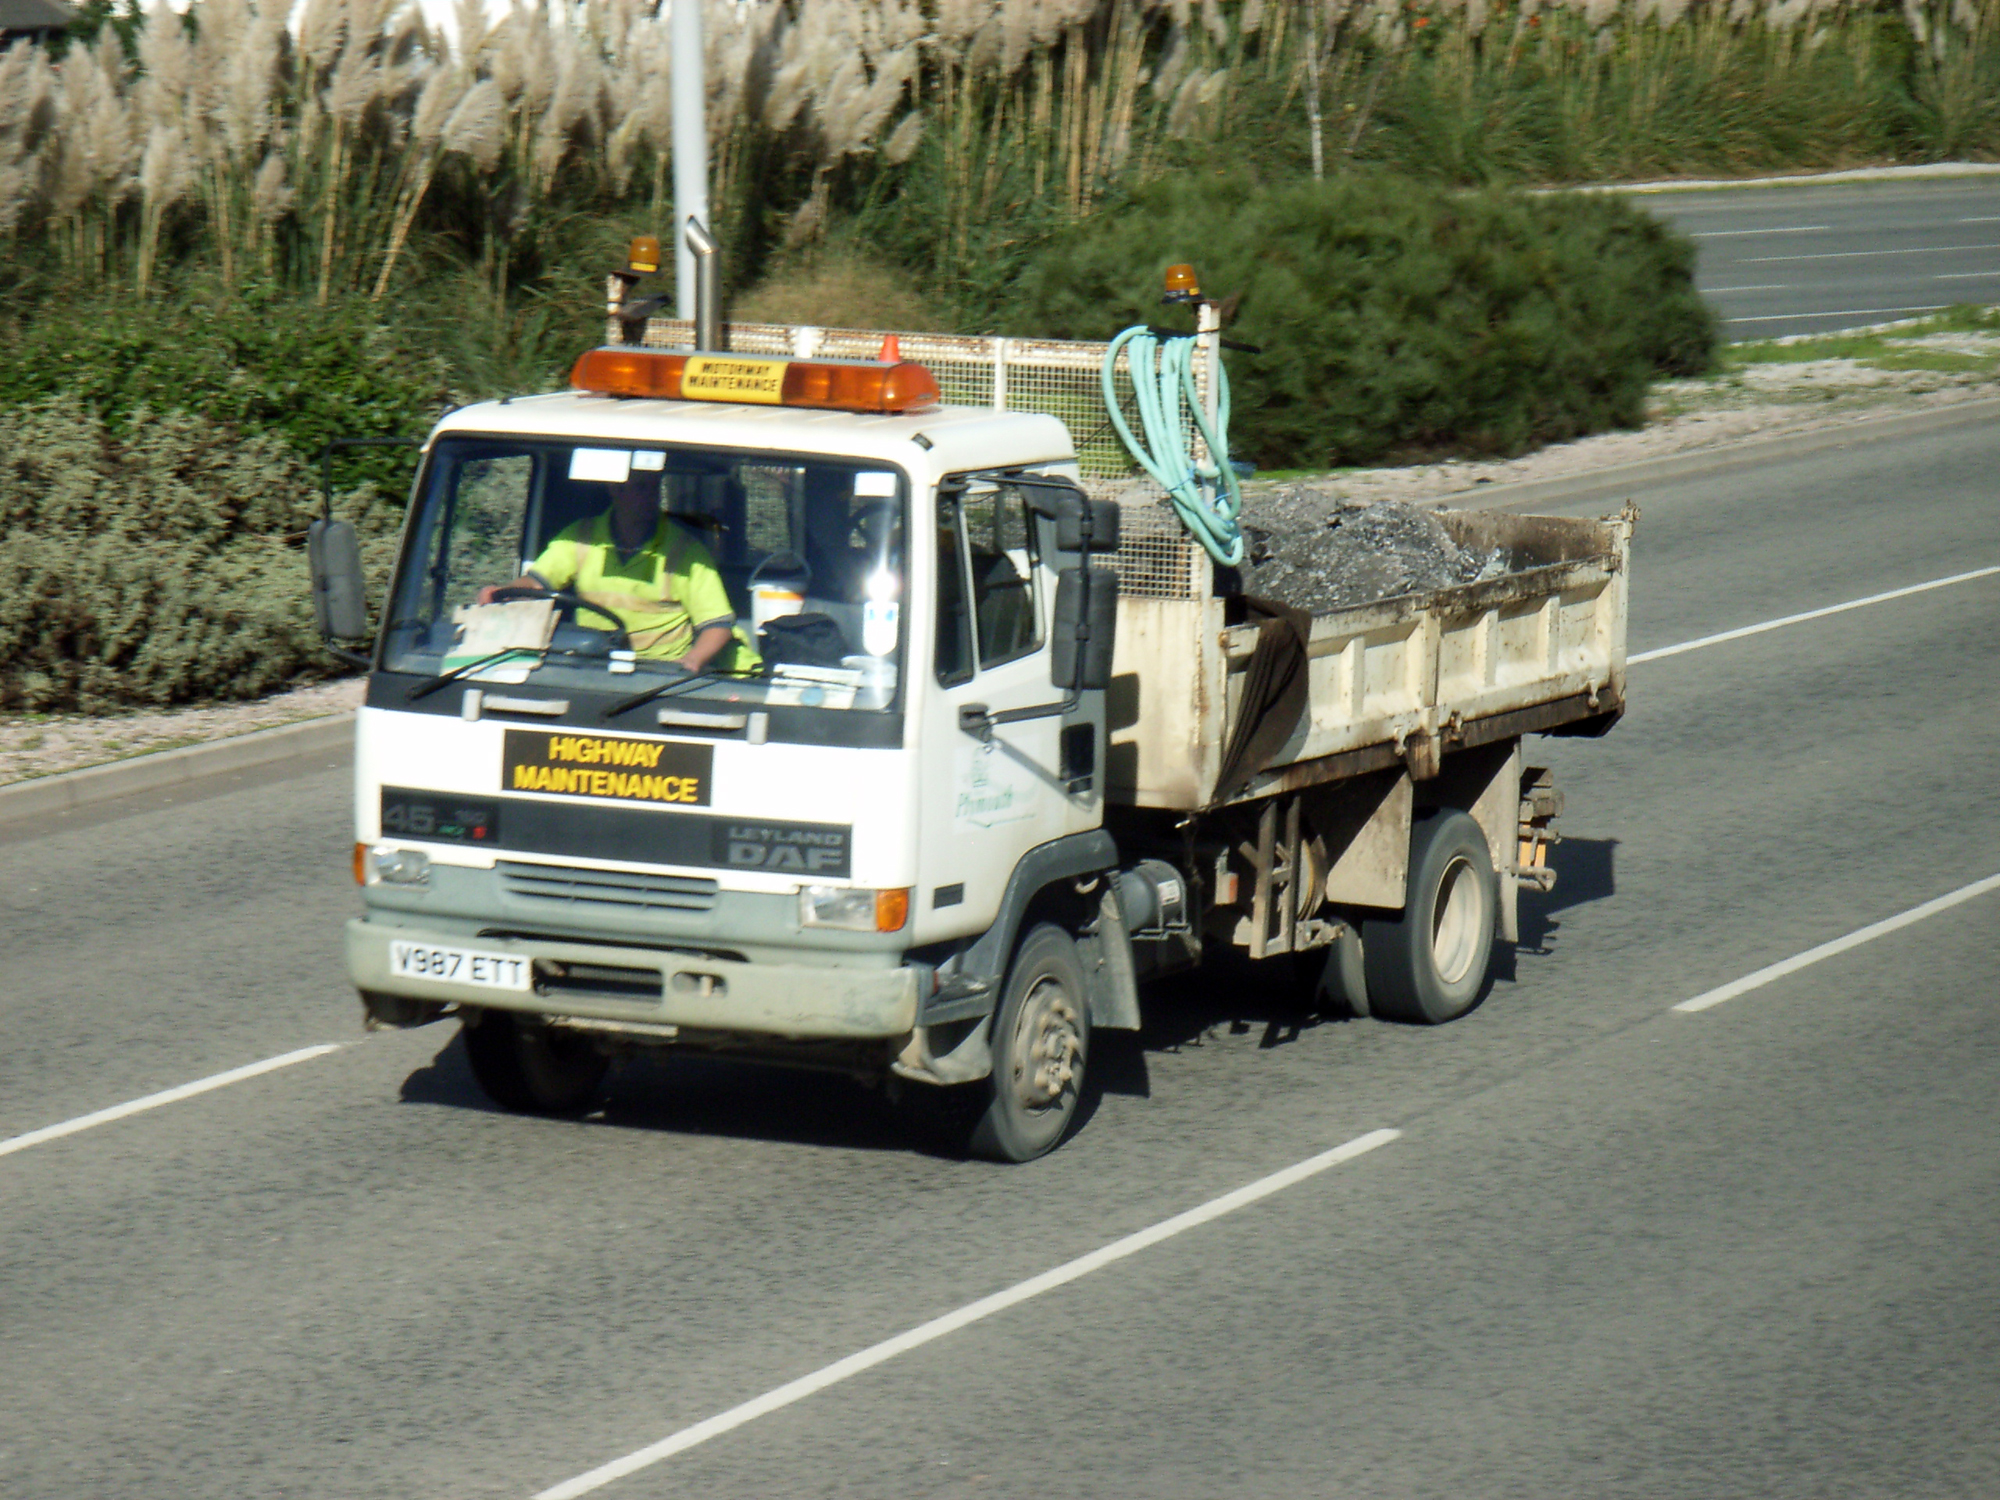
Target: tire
[(531, 1069), (1331, 980), (1431, 962), (1041, 1039)]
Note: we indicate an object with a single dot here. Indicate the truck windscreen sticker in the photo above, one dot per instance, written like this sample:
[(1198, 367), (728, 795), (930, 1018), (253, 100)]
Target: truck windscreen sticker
[(613, 768), (634, 835)]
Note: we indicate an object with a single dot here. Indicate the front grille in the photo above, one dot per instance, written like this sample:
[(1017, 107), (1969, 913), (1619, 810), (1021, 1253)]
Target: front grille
[(623, 889)]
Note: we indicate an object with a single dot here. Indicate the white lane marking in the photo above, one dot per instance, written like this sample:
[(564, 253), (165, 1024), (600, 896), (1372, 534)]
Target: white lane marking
[(1812, 614), (165, 1096), (1854, 939), (972, 1312), (1731, 234), (1982, 219), (1965, 275), (1772, 260), (1718, 291), (1852, 312)]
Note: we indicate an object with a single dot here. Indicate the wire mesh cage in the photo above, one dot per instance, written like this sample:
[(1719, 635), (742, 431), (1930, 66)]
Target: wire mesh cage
[(1059, 378)]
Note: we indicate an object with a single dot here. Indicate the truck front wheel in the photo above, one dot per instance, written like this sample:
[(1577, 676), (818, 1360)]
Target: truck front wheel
[(1429, 964), (1041, 1036), (531, 1069)]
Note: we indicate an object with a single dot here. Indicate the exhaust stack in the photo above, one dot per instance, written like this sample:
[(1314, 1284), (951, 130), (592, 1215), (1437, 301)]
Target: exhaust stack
[(707, 292)]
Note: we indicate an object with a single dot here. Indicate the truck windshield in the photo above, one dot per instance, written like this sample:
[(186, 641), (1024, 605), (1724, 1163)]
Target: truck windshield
[(580, 563)]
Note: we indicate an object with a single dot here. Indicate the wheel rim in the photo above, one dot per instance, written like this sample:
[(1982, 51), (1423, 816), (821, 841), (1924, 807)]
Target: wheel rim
[(1456, 926), (1048, 1049)]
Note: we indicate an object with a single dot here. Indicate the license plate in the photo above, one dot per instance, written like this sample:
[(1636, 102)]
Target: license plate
[(493, 971)]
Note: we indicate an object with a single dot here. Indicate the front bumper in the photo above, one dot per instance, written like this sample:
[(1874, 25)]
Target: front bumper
[(700, 993)]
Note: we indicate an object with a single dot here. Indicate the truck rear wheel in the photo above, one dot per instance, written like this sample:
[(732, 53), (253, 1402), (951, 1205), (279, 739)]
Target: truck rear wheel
[(1330, 981), (1429, 964), (531, 1069), (1041, 1036)]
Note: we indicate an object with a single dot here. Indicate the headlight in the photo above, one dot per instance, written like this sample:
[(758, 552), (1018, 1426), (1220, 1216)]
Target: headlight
[(854, 908), (388, 865)]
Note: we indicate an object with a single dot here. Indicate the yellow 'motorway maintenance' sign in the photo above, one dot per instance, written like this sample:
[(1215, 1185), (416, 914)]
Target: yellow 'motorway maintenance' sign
[(760, 382)]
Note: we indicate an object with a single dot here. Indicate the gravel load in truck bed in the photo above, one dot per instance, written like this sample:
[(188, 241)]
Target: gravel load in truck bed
[(1309, 548)]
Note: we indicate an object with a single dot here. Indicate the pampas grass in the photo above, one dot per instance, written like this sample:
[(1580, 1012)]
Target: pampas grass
[(339, 154)]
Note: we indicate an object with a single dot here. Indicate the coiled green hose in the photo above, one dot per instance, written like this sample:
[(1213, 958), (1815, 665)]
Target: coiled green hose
[(1207, 496)]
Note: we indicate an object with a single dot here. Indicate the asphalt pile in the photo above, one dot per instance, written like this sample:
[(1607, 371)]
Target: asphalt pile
[(1311, 549)]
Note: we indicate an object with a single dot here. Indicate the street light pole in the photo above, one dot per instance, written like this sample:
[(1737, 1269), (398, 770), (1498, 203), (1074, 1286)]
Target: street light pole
[(690, 110)]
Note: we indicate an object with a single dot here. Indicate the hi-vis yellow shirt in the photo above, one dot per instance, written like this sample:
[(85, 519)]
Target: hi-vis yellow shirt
[(665, 594)]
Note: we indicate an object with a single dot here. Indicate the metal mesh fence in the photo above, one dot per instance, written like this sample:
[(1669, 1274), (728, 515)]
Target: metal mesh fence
[(1054, 377), (1156, 558)]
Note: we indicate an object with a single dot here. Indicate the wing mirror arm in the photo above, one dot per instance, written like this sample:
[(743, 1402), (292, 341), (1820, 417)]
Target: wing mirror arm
[(978, 721)]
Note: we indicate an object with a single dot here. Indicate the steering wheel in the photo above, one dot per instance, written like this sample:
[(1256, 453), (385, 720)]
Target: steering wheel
[(567, 603)]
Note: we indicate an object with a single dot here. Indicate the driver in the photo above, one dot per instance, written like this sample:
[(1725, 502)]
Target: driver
[(651, 572)]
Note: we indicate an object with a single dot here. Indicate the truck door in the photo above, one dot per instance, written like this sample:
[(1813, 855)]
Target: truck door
[(984, 804)]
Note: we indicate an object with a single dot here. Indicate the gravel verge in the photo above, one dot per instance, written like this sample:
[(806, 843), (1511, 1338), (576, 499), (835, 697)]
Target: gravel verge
[(42, 744)]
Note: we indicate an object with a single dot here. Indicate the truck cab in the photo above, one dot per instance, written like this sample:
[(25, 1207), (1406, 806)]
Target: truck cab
[(579, 848)]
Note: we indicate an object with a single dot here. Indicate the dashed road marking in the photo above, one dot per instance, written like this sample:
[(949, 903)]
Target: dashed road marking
[(1841, 945), (1772, 260), (165, 1096), (1735, 234), (1811, 614), (972, 1312)]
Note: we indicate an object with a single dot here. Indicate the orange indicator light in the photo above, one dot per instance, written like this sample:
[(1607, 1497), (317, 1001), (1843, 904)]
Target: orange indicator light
[(892, 909), (817, 384)]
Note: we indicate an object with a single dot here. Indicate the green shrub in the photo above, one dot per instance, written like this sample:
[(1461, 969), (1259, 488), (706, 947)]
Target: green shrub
[(261, 362), (156, 562), (1395, 316)]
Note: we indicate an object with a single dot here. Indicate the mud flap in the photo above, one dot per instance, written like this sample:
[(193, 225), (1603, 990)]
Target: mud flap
[(1108, 969)]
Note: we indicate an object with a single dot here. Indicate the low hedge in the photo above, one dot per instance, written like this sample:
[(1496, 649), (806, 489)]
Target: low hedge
[(1394, 317), (157, 561), (260, 361), (156, 481)]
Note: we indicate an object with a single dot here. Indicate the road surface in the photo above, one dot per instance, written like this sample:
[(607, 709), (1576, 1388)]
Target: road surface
[(1820, 258), (1615, 1249)]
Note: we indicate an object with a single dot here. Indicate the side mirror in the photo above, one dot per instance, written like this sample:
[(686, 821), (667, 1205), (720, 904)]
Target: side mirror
[(1086, 629), (1084, 525), (340, 591)]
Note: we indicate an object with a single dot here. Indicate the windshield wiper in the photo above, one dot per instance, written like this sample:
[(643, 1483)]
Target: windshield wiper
[(446, 679), (672, 688)]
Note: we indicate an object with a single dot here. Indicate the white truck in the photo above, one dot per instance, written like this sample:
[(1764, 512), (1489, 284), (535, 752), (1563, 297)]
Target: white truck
[(1047, 755)]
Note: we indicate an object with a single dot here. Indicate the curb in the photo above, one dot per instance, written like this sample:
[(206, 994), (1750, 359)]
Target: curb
[(1646, 473), (67, 791), (1935, 169)]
